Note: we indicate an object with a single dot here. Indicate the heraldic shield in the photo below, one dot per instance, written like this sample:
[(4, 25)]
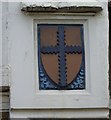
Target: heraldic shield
[(61, 57)]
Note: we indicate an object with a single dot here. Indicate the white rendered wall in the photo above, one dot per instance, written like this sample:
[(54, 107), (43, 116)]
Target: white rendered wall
[(25, 98)]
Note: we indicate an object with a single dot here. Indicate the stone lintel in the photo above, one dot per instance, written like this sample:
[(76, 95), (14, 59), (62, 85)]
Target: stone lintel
[(71, 9)]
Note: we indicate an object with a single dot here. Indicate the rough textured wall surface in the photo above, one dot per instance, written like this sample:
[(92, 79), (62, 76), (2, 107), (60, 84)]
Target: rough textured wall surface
[(4, 68)]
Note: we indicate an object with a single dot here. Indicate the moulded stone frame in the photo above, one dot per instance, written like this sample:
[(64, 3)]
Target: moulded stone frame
[(60, 21)]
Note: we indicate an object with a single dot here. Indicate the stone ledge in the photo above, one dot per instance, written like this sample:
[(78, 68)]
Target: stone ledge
[(60, 113)]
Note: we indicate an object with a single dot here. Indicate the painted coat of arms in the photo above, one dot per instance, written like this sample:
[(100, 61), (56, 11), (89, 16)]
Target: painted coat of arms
[(61, 57)]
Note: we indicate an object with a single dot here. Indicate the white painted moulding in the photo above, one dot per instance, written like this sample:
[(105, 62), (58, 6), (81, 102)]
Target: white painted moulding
[(60, 7)]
